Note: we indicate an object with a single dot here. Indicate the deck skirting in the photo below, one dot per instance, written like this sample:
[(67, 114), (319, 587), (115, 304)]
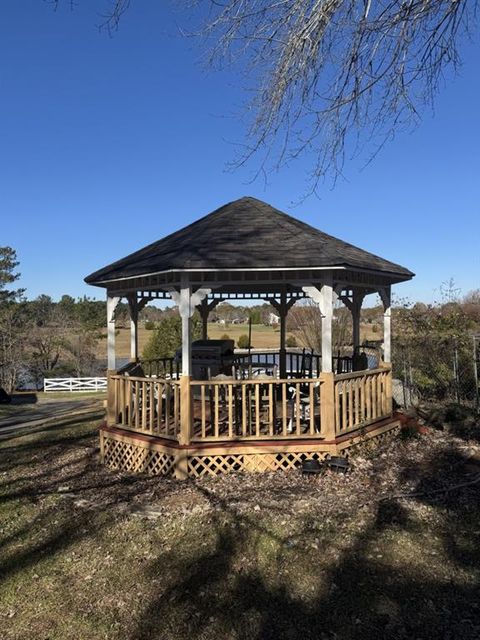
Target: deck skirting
[(138, 453)]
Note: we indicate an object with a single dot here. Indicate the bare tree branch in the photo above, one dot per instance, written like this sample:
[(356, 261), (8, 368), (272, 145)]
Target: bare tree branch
[(335, 77), (330, 79)]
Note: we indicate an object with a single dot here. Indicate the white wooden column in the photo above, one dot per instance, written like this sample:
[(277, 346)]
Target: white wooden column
[(134, 307), (184, 308), (326, 309), (386, 296), (187, 301), (112, 302), (324, 297)]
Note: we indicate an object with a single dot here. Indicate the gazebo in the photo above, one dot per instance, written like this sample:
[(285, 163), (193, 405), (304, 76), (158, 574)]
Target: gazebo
[(161, 420)]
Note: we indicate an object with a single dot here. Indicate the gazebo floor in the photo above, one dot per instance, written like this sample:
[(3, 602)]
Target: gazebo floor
[(129, 451)]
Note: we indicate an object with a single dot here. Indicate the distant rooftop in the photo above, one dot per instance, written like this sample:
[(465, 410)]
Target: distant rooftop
[(245, 234)]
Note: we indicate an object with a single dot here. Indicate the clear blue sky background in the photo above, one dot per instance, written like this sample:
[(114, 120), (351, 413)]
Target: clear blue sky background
[(107, 144)]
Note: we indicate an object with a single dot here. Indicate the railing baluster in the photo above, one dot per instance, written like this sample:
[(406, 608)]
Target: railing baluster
[(312, 410), (337, 405), (257, 409), (168, 400), (116, 398), (203, 410), (158, 425), (270, 409), (176, 407), (152, 406), (356, 400), (344, 404), (368, 403), (350, 404), (143, 410), (230, 410), (244, 409), (284, 409), (216, 425), (297, 407), (136, 404)]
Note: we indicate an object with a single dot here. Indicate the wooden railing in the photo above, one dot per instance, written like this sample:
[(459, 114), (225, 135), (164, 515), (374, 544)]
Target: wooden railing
[(145, 405), (362, 398), (262, 408)]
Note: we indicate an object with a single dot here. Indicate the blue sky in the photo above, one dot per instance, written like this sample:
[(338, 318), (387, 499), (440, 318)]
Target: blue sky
[(107, 144)]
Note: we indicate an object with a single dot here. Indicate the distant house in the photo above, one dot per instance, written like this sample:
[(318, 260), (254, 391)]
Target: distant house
[(273, 319)]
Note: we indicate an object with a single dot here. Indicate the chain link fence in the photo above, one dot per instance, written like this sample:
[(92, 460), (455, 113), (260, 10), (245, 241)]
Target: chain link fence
[(437, 369)]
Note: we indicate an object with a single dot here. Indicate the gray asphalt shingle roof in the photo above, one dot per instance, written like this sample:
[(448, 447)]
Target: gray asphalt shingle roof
[(250, 234)]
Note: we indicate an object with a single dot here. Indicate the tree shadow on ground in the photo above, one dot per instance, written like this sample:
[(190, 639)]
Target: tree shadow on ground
[(304, 592), (54, 471), (24, 398), (240, 574)]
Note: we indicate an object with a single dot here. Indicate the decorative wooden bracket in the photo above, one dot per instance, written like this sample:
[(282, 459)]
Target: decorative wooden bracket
[(112, 304), (386, 297), (319, 297), (196, 299)]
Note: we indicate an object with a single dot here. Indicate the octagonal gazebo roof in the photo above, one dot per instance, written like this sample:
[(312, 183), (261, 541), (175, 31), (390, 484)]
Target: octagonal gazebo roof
[(246, 235)]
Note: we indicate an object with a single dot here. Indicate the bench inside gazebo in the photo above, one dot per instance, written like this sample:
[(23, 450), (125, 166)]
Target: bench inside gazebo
[(252, 417)]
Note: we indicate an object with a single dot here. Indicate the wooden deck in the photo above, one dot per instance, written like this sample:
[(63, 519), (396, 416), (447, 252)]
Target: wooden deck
[(191, 427)]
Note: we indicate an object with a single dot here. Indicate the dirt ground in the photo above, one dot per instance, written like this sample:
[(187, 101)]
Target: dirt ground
[(390, 550)]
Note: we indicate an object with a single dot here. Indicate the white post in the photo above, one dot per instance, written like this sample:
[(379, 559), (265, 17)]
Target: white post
[(282, 309), (324, 297), (133, 334), (187, 301), (386, 295), (185, 309), (326, 309), (112, 302)]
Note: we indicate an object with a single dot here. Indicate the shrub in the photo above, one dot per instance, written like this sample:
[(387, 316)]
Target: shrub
[(149, 325), (291, 341), (243, 342), (225, 336), (167, 337)]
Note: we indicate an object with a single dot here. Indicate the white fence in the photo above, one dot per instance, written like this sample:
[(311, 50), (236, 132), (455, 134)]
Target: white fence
[(74, 384)]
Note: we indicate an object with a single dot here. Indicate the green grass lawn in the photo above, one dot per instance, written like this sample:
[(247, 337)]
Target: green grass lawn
[(87, 553)]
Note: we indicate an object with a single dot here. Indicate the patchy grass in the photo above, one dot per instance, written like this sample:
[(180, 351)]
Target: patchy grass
[(92, 554)]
